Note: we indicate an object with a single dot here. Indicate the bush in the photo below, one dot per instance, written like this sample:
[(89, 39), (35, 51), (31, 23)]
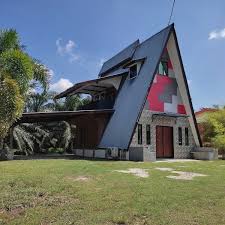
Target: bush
[(56, 150), (6, 154)]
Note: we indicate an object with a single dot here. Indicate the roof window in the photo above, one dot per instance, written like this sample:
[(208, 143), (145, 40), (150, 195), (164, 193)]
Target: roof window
[(133, 71)]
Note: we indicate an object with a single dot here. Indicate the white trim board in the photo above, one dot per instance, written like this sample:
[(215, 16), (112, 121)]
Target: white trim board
[(175, 60)]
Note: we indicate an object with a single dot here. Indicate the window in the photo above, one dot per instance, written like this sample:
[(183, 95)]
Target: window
[(148, 134), (186, 136), (163, 68), (180, 135), (139, 134), (133, 71)]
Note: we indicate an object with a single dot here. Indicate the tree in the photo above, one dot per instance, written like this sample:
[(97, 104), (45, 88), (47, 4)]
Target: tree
[(31, 138), (214, 130), (17, 71), (11, 105), (39, 102)]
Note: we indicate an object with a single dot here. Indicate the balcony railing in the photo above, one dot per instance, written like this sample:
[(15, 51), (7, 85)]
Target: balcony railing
[(102, 104)]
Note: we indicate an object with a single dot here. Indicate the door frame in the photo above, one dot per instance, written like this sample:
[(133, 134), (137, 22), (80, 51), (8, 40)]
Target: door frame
[(172, 139)]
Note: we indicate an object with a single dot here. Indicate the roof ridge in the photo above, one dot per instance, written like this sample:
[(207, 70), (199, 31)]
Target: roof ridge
[(171, 25)]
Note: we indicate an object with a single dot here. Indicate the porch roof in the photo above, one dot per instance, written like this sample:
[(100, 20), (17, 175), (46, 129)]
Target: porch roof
[(34, 117), (96, 85)]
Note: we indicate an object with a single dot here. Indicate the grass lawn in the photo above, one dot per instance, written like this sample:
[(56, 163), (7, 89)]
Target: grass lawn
[(48, 192)]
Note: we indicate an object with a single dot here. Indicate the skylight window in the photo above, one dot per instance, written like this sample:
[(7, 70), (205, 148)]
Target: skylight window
[(133, 71)]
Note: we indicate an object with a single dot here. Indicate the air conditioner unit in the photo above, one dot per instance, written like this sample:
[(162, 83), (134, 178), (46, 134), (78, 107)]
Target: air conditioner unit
[(114, 152)]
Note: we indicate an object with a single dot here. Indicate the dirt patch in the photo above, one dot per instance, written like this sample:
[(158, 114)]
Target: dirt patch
[(135, 171), (41, 199), (181, 175), (79, 178), (164, 169), (177, 160), (58, 200), (185, 175), (10, 213)]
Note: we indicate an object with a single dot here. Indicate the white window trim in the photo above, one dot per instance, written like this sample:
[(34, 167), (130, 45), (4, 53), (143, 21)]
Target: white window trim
[(138, 64)]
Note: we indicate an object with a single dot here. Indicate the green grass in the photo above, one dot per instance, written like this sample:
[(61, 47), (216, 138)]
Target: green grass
[(46, 192)]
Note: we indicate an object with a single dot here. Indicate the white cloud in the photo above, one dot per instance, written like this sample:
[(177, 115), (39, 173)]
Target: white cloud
[(67, 49), (73, 57), (217, 34), (61, 85), (51, 73), (69, 46)]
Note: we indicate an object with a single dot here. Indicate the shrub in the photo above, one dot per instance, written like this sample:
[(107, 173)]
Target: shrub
[(56, 150)]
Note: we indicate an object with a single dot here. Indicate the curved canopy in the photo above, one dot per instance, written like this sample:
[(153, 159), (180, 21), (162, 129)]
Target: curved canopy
[(97, 85)]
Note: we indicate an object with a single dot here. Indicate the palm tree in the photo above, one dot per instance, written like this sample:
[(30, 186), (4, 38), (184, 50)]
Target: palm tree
[(37, 102), (27, 136), (31, 138), (16, 71), (9, 40)]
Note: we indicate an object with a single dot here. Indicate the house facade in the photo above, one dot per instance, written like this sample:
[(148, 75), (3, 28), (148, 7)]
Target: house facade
[(141, 107)]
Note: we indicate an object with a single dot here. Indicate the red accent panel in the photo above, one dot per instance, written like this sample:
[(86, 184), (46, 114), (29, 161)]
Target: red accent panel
[(155, 91), (181, 109)]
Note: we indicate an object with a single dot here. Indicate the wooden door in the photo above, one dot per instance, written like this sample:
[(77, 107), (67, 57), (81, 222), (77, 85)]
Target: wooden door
[(164, 142)]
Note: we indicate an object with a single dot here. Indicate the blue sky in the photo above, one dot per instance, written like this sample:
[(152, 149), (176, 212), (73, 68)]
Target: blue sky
[(73, 37)]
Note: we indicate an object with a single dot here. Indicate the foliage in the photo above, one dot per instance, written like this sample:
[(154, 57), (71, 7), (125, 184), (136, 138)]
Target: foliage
[(39, 137), (11, 104), (214, 129), (56, 150), (28, 136), (44, 101), (18, 74), (41, 77), (9, 40), (18, 66), (37, 102), (16, 71), (219, 142), (70, 103), (6, 153), (60, 131)]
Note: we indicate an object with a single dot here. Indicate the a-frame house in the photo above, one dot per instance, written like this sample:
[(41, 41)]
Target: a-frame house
[(141, 107)]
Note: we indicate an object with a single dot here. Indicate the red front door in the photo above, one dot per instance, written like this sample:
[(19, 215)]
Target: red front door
[(164, 142)]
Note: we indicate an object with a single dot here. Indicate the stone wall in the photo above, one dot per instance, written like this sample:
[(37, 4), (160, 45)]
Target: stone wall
[(180, 151)]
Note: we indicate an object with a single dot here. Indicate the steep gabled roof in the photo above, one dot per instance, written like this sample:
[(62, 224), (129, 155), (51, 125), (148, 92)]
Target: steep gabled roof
[(131, 98), (123, 56)]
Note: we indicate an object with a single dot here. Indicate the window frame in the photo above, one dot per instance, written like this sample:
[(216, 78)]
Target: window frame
[(148, 134), (180, 136), (140, 134), (186, 135), (134, 65), (162, 62)]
